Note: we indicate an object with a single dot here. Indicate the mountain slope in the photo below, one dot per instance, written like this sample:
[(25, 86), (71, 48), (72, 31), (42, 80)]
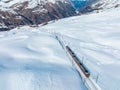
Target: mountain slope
[(107, 4), (20, 12), (31, 59), (96, 38)]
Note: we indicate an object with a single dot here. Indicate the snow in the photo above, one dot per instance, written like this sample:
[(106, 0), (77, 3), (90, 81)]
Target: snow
[(32, 3), (108, 4), (96, 37), (31, 59)]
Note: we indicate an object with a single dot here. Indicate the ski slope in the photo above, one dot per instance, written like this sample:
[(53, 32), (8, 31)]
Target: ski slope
[(95, 38), (31, 59)]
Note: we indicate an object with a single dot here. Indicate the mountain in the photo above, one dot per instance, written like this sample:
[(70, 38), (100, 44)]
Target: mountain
[(106, 4), (14, 13), (96, 5), (96, 38), (28, 12), (32, 58)]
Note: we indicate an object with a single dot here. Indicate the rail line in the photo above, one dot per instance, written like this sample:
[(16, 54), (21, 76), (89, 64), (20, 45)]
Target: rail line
[(80, 67), (79, 64)]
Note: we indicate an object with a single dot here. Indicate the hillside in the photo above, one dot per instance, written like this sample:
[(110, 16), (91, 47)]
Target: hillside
[(96, 37), (15, 13), (107, 4), (31, 57)]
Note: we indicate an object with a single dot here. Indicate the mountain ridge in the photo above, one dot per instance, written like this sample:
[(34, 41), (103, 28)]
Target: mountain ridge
[(15, 13), (22, 14)]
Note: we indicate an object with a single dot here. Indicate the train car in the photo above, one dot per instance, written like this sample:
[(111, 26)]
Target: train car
[(77, 61)]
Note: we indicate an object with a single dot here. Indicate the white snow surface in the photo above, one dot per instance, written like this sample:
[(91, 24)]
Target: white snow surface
[(31, 59), (96, 37)]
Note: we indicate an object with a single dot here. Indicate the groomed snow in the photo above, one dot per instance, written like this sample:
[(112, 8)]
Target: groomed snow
[(33, 60), (96, 37)]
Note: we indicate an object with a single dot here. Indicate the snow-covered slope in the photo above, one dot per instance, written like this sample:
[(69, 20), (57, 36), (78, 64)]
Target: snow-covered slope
[(33, 60), (96, 37), (107, 4)]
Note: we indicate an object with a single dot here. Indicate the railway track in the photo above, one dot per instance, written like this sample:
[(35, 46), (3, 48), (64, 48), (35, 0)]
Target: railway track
[(80, 67), (77, 61)]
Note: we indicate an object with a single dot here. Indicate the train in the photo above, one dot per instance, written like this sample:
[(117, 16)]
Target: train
[(78, 62)]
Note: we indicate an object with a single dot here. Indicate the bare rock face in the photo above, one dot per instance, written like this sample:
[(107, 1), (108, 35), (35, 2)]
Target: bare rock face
[(21, 14)]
